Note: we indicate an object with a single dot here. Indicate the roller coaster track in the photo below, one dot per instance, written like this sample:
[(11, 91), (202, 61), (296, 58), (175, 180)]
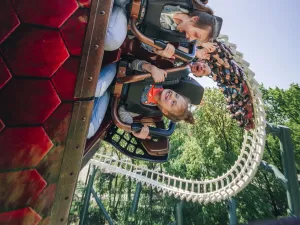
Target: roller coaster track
[(219, 188)]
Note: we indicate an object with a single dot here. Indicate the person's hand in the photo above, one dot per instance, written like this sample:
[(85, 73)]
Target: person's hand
[(202, 54), (143, 134), (209, 46), (158, 75), (168, 52)]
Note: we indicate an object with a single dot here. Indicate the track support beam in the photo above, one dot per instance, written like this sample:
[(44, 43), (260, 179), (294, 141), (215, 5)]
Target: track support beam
[(289, 167)]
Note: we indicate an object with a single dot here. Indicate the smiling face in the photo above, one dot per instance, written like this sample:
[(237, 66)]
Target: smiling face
[(170, 101), (200, 69)]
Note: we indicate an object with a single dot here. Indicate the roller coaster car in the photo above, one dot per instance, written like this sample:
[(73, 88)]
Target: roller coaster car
[(144, 23), (127, 91), (49, 67)]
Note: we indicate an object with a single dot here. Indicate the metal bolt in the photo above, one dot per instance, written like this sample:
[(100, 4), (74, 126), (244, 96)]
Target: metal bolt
[(96, 46), (83, 118), (90, 78), (102, 12)]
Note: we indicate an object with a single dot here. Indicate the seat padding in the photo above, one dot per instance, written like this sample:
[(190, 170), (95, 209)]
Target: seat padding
[(190, 88), (151, 27)]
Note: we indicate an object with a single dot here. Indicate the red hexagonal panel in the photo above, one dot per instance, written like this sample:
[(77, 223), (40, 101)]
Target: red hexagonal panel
[(51, 13), (19, 217), (76, 24), (19, 189), (23, 147), (49, 167), (57, 125), (27, 101), (44, 202), (4, 73), (32, 51), (8, 19), (1, 125), (64, 79), (85, 3)]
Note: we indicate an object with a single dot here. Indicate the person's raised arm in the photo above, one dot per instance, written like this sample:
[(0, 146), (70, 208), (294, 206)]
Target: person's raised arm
[(168, 52), (200, 53), (143, 134), (209, 46), (126, 117), (158, 75)]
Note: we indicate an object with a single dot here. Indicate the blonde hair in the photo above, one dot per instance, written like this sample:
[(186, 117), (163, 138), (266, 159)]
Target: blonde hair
[(185, 115)]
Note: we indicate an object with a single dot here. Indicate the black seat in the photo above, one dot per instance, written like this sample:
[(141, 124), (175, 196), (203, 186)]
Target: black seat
[(150, 21), (178, 81), (190, 88)]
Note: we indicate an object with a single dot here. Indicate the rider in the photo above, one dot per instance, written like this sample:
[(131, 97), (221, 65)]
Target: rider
[(172, 105), (197, 25), (164, 58)]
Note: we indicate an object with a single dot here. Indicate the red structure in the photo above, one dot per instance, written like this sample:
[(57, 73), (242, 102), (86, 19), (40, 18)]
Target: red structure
[(43, 115)]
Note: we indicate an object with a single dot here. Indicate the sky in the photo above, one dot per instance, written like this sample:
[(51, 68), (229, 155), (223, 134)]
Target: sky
[(267, 32)]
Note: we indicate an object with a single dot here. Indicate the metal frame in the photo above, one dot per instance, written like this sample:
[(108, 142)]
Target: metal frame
[(289, 167), (88, 192), (93, 49), (289, 179), (85, 88)]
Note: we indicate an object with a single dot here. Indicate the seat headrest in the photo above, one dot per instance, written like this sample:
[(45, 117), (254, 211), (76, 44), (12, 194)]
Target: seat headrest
[(189, 88), (220, 23), (150, 22)]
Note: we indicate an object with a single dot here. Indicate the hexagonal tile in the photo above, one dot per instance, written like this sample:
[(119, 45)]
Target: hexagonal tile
[(27, 101), (76, 24), (84, 3), (57, 125), (51, 13), (23, 186), (23, 147), (49, 167), (8, 19), (1, 125), (32, 51), (20, 216), (64, 79), (5, 74), (44, 201)]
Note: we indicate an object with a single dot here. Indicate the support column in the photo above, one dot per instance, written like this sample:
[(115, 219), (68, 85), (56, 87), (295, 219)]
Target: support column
[(179, 214), (136, 197), (290, 172), (86, 203), (232, 212), (289, 166), (101, 206)]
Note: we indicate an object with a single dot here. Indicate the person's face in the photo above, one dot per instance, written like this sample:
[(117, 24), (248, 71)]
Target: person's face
[(192, 32), (200, 69), (170, 101)]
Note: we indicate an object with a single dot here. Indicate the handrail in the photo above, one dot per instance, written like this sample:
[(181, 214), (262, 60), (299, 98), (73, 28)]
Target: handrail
[(186, 57), (140, 77)]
